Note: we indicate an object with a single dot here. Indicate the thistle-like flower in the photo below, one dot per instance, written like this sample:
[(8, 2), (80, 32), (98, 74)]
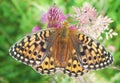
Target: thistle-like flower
[(54, 17)]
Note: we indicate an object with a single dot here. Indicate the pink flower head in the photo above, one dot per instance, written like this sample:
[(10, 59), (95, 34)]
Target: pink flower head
[(86, 14), (54, 17), (36, 28), (90, 23)]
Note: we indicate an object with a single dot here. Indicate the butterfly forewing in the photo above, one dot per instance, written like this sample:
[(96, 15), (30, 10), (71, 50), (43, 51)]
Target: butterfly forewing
[(33, 49), (91, 54)]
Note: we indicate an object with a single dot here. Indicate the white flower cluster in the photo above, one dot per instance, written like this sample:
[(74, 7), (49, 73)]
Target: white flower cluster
[(92, 24)]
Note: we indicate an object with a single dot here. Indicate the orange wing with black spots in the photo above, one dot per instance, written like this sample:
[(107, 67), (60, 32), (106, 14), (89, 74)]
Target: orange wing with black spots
[(73, 67), (46, 67), (34, 48), (91, 54)]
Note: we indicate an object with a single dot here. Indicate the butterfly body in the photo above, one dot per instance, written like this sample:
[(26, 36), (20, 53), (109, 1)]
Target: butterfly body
[(63, 45), (63, 48)]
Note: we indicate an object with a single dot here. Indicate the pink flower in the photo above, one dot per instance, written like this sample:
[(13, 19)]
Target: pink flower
[(86, 14), (54, 17), (73, 27), (88, 21), (36, 28), (101, 24)]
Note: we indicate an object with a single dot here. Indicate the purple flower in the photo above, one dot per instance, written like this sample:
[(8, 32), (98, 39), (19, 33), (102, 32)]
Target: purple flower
[(54, 17), (36, 28)]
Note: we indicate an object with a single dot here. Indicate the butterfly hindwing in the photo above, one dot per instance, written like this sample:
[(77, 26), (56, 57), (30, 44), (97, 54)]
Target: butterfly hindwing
[(32, 49), (73, 67), (91, 54), (46, 67)]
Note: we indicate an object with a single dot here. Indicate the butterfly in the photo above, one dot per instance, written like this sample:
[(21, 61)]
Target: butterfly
[(65, 49)]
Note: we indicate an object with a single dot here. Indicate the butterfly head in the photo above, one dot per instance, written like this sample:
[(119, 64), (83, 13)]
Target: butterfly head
[(65, 24)]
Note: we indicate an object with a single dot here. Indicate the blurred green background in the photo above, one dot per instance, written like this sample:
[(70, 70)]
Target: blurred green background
[(18, 17)]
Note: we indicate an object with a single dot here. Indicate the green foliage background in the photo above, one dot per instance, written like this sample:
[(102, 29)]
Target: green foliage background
[(18, 17)]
